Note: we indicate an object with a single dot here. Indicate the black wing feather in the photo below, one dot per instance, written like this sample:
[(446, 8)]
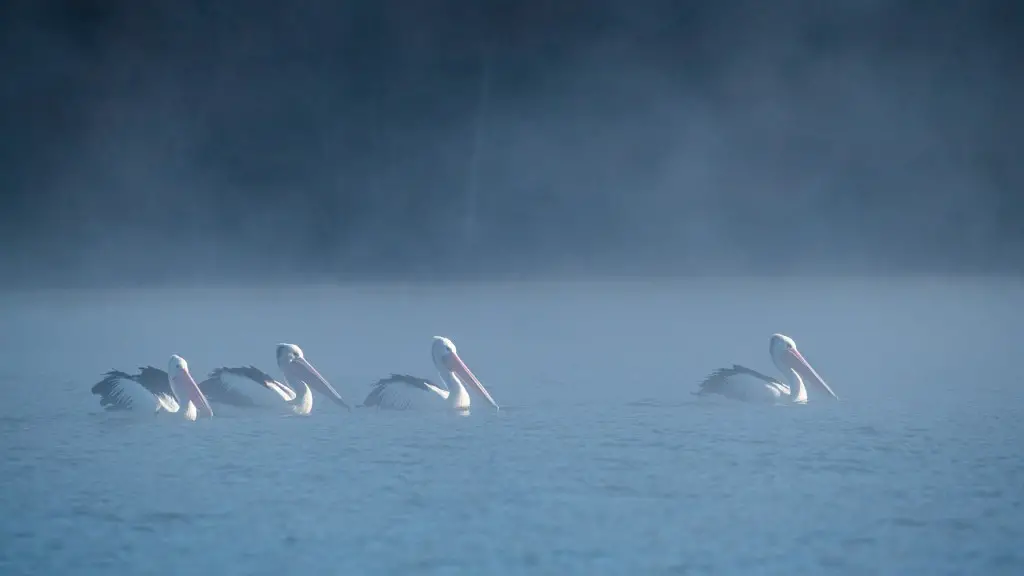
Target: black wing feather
[(155, 380), (713, 383), (251, 372), (112, 397), (218, 390), (374, 397)]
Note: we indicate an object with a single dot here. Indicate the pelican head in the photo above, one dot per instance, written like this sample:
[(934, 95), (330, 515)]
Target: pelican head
[(787, 357), (297, 370), (287, 353), (447, 360), (185, 388), (176, 364)]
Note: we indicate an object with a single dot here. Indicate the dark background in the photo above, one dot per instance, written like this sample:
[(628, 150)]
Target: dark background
[(157, 141)]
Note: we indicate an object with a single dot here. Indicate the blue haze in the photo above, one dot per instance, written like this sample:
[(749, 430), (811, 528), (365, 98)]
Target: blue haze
[(600, 462)]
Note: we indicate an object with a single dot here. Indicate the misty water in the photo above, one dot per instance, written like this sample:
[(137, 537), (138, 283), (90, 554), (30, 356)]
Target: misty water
[(599, 462)]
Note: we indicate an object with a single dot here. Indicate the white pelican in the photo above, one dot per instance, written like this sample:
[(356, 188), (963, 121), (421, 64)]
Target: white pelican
[(222, 387), (742, 383), (224, 384), (402, 392), (152, 388)]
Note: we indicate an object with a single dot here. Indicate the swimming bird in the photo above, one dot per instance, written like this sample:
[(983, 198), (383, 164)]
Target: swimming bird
[(403, 392), (224, 386), (154, 389), (742, 383)]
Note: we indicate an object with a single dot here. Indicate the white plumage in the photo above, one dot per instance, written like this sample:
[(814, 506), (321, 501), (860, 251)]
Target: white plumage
[(245, 387), (405, 392), (744, 384), (747, 385), (149, 390), (248, 386), (153, 389)]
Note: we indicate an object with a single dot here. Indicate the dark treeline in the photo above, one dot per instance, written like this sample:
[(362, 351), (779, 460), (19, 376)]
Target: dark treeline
[(212, 140)]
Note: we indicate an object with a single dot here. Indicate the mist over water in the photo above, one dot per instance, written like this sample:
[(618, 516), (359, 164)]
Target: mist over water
[(600, 461), (874, 338), (211, 181)]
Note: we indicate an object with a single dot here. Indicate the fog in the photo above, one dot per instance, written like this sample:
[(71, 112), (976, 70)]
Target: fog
[(916, 466), (923, 348), (341, 141)]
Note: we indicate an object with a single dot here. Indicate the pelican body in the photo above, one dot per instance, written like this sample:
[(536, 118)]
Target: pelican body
[(171, 391), (747, 385), (404, 392), (224, 384)]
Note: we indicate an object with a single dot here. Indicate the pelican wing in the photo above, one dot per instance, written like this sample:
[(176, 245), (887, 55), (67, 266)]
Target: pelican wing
[(224, 386), (742, 383), (149, 389), (155, 380), (402, 392)]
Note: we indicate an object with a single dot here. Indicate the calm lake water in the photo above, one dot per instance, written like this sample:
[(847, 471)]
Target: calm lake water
[(600, 461)]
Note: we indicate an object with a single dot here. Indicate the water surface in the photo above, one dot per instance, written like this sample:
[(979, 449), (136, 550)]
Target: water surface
[(600, 462)]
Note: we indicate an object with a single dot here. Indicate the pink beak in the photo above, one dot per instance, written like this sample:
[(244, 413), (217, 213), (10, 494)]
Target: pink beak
[(184, 381), (456, 365), (300, 370), (809, 375)]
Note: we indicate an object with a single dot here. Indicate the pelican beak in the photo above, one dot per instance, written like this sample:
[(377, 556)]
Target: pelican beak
[(807, 373), (300, 370), (459, 368), (184, 381)]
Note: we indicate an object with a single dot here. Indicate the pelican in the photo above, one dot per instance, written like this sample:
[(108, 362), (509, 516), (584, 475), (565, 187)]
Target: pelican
[(155, 389), (742, 383), (401, 391), (224, 384), (222, 387)]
